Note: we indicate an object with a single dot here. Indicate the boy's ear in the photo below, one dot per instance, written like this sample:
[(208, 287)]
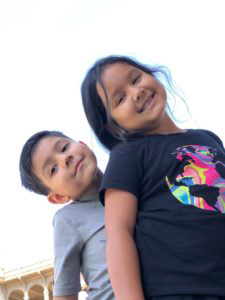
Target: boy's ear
[(82, 143), (58, 199)]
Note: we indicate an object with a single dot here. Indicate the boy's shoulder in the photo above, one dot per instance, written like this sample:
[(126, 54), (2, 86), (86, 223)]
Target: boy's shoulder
[(81, 218), (66, 210), (79, 212)]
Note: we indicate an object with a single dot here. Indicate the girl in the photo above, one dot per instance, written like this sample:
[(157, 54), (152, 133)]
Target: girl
[(163, 189)]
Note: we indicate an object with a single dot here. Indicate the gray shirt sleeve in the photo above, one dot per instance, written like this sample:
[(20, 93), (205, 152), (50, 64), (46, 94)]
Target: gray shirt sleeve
[(79, 245), (67, 248)]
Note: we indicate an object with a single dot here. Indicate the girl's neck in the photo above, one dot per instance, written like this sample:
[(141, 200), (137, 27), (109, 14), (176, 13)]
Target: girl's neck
[(166, 126)]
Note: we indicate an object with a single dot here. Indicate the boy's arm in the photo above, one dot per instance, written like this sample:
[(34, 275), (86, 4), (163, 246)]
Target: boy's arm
[(67, 250), (72, 297), (121, 251)]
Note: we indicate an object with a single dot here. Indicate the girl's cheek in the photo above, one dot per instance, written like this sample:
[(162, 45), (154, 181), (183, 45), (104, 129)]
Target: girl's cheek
[(82, 143)]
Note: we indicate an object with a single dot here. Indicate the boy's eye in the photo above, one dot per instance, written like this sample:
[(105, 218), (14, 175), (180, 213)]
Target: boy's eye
[(53, 170), (65, 147), (120, 99)]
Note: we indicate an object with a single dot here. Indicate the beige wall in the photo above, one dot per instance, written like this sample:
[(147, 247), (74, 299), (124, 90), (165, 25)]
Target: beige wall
[(33, 282)]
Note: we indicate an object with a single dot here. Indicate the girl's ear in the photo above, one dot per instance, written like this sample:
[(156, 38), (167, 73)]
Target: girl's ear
[(58, 199)]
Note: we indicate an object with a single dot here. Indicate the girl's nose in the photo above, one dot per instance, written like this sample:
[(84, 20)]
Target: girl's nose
[(137, 94)]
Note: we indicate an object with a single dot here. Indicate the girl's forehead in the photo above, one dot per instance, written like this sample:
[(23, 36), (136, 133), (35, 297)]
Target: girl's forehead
[(121, 66), (115, 73), (113, 79)]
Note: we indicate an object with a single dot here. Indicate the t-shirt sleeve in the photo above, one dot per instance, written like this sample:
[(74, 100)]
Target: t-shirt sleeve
[(122, 172), (67, 248), (215, 137)]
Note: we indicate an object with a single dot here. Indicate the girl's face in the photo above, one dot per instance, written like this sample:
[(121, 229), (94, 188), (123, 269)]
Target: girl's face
[(137, 100)]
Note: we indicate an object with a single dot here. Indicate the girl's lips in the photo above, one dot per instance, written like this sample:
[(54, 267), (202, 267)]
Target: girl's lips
[(77, 166), (147, 103)]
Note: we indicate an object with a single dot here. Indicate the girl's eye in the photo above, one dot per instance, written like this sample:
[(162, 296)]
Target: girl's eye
[(53, 170), (65, 147), (120, 99), (136, 79)]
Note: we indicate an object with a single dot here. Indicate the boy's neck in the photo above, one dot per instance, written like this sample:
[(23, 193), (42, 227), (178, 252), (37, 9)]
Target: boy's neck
[(93, 188)]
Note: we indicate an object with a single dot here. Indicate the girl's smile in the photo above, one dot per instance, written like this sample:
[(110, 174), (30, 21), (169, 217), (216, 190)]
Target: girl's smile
[(148, 103), (137, 101)]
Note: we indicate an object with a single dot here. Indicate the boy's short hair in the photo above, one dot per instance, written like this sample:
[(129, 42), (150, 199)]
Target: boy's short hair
[(28, 179)]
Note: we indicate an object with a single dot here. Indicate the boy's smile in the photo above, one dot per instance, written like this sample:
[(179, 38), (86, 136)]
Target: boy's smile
[(66, 167)]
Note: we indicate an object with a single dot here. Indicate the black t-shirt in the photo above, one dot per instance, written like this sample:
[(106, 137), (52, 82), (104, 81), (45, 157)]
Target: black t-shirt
[(179, 181)]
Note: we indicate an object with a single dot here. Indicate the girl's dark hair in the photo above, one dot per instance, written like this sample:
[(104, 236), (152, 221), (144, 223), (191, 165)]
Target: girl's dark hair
[(108, 132), (28, 179)]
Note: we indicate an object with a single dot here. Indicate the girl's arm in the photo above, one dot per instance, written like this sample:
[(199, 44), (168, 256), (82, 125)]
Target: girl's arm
[(121, 252)]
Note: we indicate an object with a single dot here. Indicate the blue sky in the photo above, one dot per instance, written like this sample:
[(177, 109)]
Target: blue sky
[(46, 47)]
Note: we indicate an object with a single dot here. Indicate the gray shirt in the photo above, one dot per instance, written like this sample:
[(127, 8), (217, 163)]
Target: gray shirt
[(79, 246)]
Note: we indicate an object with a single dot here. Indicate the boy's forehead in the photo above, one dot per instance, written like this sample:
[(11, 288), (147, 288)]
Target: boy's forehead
[(45, 146), (50, 141)]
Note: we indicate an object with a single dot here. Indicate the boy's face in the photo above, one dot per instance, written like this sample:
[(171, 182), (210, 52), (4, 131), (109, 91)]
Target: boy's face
[(66, 167)]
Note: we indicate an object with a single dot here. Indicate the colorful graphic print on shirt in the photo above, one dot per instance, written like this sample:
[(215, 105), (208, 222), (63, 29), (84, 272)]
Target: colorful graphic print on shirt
[(199, 179)]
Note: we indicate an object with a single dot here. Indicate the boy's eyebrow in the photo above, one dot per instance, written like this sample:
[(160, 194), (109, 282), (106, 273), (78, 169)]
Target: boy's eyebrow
[(48, 159)]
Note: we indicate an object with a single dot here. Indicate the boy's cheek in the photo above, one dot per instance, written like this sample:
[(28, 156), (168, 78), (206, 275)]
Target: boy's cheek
[(88, 150)]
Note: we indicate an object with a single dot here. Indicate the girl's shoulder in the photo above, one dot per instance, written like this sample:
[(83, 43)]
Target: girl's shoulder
[(129, 146), (213, 135), (208, 135), (136, 144)]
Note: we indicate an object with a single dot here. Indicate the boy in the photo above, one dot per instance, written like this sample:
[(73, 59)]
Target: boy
[(52, 164)]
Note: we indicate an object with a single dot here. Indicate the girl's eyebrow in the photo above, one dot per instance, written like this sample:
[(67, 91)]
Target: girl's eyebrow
[(114, 93), (118, 89)]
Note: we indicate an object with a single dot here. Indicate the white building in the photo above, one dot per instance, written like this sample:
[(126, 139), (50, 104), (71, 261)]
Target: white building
[(33, 282)]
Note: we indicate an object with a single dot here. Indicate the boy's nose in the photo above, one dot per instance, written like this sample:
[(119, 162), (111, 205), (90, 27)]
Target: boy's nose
[(68, 160), (65, 160)]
